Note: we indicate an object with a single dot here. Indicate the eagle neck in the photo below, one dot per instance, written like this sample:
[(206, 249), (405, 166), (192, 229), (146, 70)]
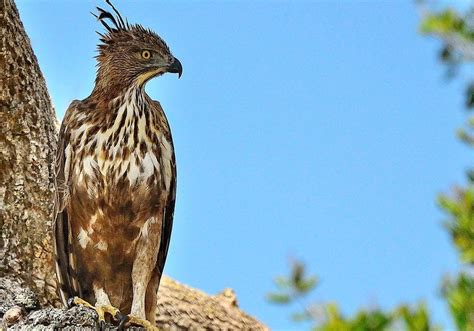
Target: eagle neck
[(115, 94)]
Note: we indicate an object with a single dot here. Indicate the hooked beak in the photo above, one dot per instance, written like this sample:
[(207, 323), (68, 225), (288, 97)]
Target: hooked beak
[(176, 68)]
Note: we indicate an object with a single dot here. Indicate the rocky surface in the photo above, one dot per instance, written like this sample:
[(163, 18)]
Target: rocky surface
[(20, 310)]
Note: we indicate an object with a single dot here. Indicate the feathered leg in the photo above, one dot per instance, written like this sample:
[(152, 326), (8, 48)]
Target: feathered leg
[(143, 269), (151, 297)]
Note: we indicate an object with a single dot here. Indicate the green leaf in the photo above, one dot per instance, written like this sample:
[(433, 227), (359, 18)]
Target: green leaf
[(278, 298), (305, 286)]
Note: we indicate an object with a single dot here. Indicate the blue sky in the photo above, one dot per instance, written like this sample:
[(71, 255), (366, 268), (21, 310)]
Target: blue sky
[(320, 130)]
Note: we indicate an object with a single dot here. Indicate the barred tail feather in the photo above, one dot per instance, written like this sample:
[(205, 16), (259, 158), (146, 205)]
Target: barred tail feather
[(65, 260)]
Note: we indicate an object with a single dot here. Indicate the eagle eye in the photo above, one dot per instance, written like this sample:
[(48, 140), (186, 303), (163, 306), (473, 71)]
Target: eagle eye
[(146, 54)]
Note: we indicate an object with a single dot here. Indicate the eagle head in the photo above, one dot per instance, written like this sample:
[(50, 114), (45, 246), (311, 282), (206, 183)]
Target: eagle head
[(130, 54)]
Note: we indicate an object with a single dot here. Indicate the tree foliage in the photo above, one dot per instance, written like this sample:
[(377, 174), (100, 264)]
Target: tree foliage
[(328, 317), (457, 34)]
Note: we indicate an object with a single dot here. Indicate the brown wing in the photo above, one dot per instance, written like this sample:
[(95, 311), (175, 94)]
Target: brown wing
[(168, 212), (167, 224), (68, 285)]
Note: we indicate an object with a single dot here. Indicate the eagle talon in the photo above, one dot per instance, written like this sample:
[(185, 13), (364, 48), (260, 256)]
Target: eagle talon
[(134, 320), (76, 301), (101, 310)]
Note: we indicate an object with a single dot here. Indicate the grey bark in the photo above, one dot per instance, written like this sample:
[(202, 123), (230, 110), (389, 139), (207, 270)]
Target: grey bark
[(27, 148)]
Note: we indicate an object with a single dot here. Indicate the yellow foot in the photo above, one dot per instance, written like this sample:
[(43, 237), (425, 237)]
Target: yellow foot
[(101, 310), (134, 320), (76, 301)]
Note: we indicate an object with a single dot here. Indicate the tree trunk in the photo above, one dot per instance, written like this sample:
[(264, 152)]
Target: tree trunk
[(27, 148)]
